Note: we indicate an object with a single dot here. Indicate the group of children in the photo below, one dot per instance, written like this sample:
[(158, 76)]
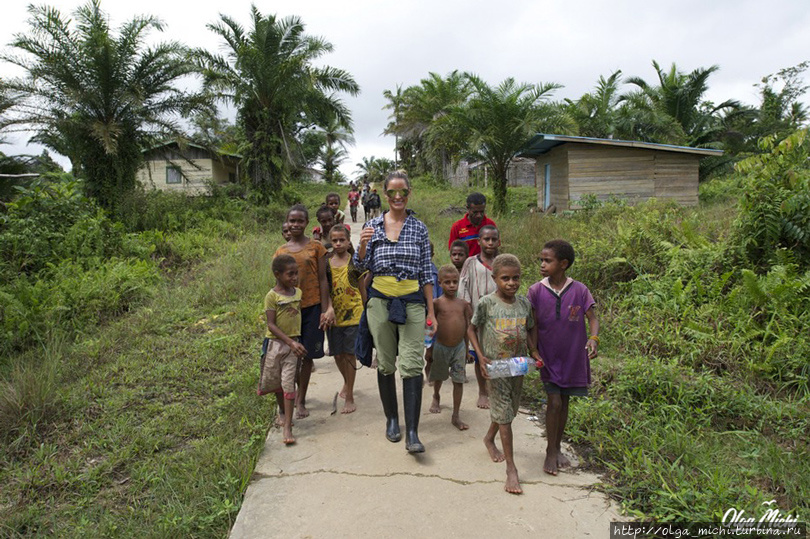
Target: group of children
[(313, 296), (481, 318)]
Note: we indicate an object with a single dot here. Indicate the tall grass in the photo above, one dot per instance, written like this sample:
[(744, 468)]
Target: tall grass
[(163, 424), (129, 408)]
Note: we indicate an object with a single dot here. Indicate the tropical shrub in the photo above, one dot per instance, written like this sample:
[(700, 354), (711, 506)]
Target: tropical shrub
[(52, 220), (775, 201)]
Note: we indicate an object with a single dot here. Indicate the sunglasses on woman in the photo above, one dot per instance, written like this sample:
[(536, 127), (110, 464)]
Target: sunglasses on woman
[(392, 193)]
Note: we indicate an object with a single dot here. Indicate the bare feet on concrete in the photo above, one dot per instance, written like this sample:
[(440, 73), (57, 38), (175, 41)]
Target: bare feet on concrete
[(435, 408), (458, 423), (494, 453), (550, 465), (512, 485)]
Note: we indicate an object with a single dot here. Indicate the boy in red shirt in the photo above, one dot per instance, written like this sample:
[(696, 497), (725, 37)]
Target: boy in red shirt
[(354, 200), (467, 227)]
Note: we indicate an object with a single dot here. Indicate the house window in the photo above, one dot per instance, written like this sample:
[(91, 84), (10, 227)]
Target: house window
[(173, 175), (232, 177)]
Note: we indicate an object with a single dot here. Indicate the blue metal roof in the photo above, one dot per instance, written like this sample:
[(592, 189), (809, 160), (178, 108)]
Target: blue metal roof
[(542, 143)]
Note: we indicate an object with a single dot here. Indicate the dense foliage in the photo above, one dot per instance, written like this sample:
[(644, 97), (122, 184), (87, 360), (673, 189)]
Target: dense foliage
[(126, 366), (270, 74), (98, 96), (774, 225)]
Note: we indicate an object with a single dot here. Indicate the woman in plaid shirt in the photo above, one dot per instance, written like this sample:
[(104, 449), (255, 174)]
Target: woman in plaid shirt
[(395, 248)]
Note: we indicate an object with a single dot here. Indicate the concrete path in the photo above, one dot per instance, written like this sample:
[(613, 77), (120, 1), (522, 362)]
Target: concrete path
[(344, 479)]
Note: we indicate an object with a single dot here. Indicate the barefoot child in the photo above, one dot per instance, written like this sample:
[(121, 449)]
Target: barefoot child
[(316, 305), (333, 201), (282, 349), (475, 283), (561, 306), (449, 350), (459, 253), (500, 329), (348, 305)]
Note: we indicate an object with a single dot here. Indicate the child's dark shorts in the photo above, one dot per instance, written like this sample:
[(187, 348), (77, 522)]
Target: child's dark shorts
[(552, 388), (341, 339), (311, 334), (448, 362)]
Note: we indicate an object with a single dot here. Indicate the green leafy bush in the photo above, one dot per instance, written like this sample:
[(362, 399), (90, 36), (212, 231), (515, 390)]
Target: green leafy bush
[(70, 297), (51, 221), (775, 204)]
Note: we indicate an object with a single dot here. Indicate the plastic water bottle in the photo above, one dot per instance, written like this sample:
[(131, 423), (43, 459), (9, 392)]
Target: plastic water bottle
[(511, 366), (429, 334)]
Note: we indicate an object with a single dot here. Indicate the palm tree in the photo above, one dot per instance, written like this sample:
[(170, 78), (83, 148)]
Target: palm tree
[(98, 96), (374, 169), (680, 97), (395, 102), (336, 138), (501, 119), (421, 120), (596, 113), (269, 75)]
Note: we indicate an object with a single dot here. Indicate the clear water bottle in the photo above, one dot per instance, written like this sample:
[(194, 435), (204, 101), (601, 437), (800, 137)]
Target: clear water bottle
[(429, 334), (511, 366)]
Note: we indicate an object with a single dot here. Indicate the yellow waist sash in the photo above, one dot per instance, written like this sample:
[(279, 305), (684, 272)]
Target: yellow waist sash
[(391, 287)]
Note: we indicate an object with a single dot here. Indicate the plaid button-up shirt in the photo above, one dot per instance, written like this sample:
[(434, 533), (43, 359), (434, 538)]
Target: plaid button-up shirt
[(407, 258)]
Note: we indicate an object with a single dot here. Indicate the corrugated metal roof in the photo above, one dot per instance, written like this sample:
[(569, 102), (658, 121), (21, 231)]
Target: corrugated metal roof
[(191, 144), (542, 143)]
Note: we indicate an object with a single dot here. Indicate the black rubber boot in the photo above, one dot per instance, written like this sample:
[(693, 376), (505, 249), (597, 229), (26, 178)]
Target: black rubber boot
[(388, 396), (412, 402)]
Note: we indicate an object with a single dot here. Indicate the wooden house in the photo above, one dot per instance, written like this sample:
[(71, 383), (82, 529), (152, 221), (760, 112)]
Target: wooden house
[(188, 168), (568, 168), (468, 174)]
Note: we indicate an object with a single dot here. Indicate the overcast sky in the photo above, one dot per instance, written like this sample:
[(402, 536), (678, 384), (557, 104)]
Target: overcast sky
[(571, 42)]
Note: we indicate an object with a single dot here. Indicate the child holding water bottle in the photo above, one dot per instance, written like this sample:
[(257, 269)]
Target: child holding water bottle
[(499, 330)]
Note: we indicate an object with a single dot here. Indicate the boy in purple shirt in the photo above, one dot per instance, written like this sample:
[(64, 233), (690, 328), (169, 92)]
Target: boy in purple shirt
[(560, 306)]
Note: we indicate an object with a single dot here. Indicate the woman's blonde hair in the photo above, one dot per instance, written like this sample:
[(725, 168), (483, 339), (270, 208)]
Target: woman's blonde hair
[(396, 175)]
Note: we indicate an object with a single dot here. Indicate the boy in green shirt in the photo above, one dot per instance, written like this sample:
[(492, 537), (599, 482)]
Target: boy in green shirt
[(500, 330), (282, 349)]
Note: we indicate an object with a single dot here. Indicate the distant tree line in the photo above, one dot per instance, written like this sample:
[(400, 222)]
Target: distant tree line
[(99, 96), (444, 119)]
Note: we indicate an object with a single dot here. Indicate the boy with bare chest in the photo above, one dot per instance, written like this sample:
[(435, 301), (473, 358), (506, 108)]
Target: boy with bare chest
[(449, 350)]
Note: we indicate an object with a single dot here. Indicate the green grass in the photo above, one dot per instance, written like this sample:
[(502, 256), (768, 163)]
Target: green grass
[(157, 423), (148, 425)]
